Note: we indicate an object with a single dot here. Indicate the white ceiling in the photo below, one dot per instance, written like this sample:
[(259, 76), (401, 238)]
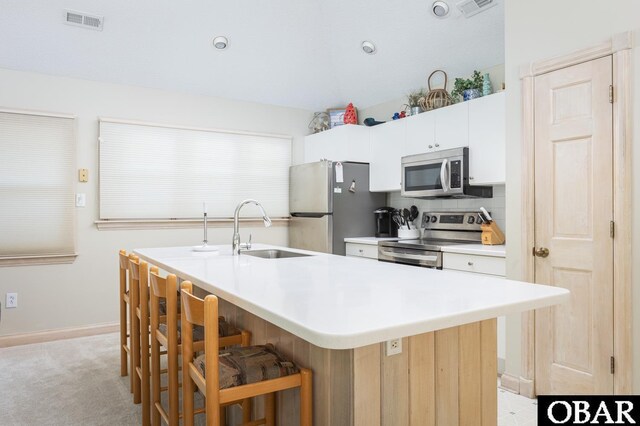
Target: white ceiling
[(298, 53)]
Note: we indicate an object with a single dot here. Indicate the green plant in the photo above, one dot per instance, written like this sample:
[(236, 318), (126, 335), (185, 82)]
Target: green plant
[(415, 96), (462, 84)]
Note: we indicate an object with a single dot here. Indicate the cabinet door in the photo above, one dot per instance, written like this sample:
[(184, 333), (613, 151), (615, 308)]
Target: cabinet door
[(343, 143), (451, 126), (487, 141), (421, 133), (387, 148)]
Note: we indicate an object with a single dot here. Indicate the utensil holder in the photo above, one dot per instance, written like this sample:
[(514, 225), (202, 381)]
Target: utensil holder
[(491, 234), (408, 233)]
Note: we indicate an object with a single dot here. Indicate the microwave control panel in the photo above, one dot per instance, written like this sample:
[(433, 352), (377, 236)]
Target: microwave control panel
[(456, 174)]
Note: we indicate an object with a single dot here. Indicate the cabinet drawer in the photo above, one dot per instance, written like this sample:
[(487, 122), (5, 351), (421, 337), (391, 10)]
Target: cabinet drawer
[(362, 250), (472, 263)]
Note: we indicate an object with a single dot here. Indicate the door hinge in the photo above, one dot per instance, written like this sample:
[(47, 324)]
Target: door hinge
[(612, 229), (613, 365), (611, 93)]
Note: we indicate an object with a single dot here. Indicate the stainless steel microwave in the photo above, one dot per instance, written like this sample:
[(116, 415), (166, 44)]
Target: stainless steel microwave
[(441, 174)]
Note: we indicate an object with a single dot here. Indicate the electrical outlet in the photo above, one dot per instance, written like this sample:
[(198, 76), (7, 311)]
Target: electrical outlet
[(12, 300), (394, 347)]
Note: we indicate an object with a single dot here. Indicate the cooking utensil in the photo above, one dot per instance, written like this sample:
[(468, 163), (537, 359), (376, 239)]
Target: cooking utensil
[(486, 216), (406, 215), (414, 213), (395, 216)]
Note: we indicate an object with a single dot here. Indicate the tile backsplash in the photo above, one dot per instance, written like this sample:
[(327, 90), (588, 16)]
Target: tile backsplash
[(495, 205)]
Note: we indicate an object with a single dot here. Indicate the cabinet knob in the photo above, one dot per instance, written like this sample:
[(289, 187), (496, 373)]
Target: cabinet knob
[(361, 251), (470, 263), (437, 145), (471, 178), (430, 146)]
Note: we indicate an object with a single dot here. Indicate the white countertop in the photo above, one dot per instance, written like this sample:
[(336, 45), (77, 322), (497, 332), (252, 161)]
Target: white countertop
[(339, 302), (478, 249), (373, 241)]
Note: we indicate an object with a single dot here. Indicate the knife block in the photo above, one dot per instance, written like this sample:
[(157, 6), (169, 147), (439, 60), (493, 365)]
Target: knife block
[(491, 234)]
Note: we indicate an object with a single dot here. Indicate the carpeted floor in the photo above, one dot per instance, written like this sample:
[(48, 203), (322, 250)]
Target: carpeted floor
[(66, 382)]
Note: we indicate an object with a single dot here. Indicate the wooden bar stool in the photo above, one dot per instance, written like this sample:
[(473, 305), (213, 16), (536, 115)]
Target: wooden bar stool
[(165, 333), (125, 317), (244, 369), (139, 276)]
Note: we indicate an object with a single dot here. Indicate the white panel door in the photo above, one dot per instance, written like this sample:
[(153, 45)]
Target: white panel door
[(487, 140), (387, 148), (573, 210), (452, 126)]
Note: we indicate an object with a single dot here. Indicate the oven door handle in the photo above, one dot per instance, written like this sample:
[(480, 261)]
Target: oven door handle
[(401, 255), (445, 176)]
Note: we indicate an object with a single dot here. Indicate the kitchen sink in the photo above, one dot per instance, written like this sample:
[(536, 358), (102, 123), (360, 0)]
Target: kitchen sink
[(272, 254)]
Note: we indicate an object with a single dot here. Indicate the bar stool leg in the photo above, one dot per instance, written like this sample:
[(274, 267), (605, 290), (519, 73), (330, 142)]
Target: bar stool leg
[(306, 404), (246, 410), (270, 409)]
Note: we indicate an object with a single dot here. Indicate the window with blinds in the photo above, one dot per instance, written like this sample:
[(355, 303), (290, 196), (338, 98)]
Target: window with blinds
[(150, 171), (37, 211)]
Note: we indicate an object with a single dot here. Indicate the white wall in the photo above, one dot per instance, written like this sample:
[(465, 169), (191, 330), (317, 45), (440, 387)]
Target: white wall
[(86, 292), (539, 30)]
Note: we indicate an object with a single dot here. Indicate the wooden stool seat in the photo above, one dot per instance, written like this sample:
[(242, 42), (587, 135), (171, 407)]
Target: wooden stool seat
[(235, 374), (245, 365), (225, 329)]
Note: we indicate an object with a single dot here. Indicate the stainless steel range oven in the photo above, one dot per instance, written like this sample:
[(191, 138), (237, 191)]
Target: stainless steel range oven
[(440, 229)]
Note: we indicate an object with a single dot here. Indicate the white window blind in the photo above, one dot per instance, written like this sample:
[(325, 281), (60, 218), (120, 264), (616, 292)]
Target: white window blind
[(37, 172), (151, 171)]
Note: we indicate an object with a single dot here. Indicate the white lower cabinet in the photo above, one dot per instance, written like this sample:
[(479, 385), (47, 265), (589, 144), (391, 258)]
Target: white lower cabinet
[(473, 263), (484, 265), (361, 250)]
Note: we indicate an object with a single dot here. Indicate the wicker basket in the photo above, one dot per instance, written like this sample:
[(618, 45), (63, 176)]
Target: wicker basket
[(436, 98)]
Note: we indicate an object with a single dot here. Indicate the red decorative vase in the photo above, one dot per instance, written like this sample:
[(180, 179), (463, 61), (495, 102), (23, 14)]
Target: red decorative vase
[(350, 115)]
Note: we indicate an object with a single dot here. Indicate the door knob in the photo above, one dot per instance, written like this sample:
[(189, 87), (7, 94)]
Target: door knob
[(541, 252)]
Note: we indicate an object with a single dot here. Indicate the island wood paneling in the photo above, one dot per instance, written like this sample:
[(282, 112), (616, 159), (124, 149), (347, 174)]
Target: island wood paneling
[(422, 380), (442, 378)]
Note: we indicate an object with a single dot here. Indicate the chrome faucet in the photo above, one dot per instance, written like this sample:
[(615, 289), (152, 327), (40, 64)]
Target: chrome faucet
[(236, 223)]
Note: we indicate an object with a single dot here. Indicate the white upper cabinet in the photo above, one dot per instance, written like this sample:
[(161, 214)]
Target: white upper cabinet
[(452, 126), (343, 143), (387, 148), (421, 133), (443, 128), (487, 140)]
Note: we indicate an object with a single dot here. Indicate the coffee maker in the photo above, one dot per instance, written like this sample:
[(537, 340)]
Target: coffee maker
[(385, 226)]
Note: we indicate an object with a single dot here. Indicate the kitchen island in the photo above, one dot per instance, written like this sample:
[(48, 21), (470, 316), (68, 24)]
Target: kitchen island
[(333, 314)]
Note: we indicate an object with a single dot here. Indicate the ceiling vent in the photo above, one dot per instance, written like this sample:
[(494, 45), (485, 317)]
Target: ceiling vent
[(473, 7), (84, 20)]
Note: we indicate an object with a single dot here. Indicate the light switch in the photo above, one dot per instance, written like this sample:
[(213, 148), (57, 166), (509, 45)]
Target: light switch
[(81, 200), (83, 175)]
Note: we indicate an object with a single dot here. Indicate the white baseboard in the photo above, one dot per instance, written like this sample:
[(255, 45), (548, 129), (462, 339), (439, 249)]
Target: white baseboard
[(58, 334), (510, 383), (519, 385)]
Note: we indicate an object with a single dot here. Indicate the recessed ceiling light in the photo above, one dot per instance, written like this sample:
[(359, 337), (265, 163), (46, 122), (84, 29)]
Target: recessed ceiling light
[(440, 9), (220, 42), (368, 47)]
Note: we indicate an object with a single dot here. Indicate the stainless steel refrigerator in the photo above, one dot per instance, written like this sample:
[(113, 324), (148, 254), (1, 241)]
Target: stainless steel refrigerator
[(330, 201)]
